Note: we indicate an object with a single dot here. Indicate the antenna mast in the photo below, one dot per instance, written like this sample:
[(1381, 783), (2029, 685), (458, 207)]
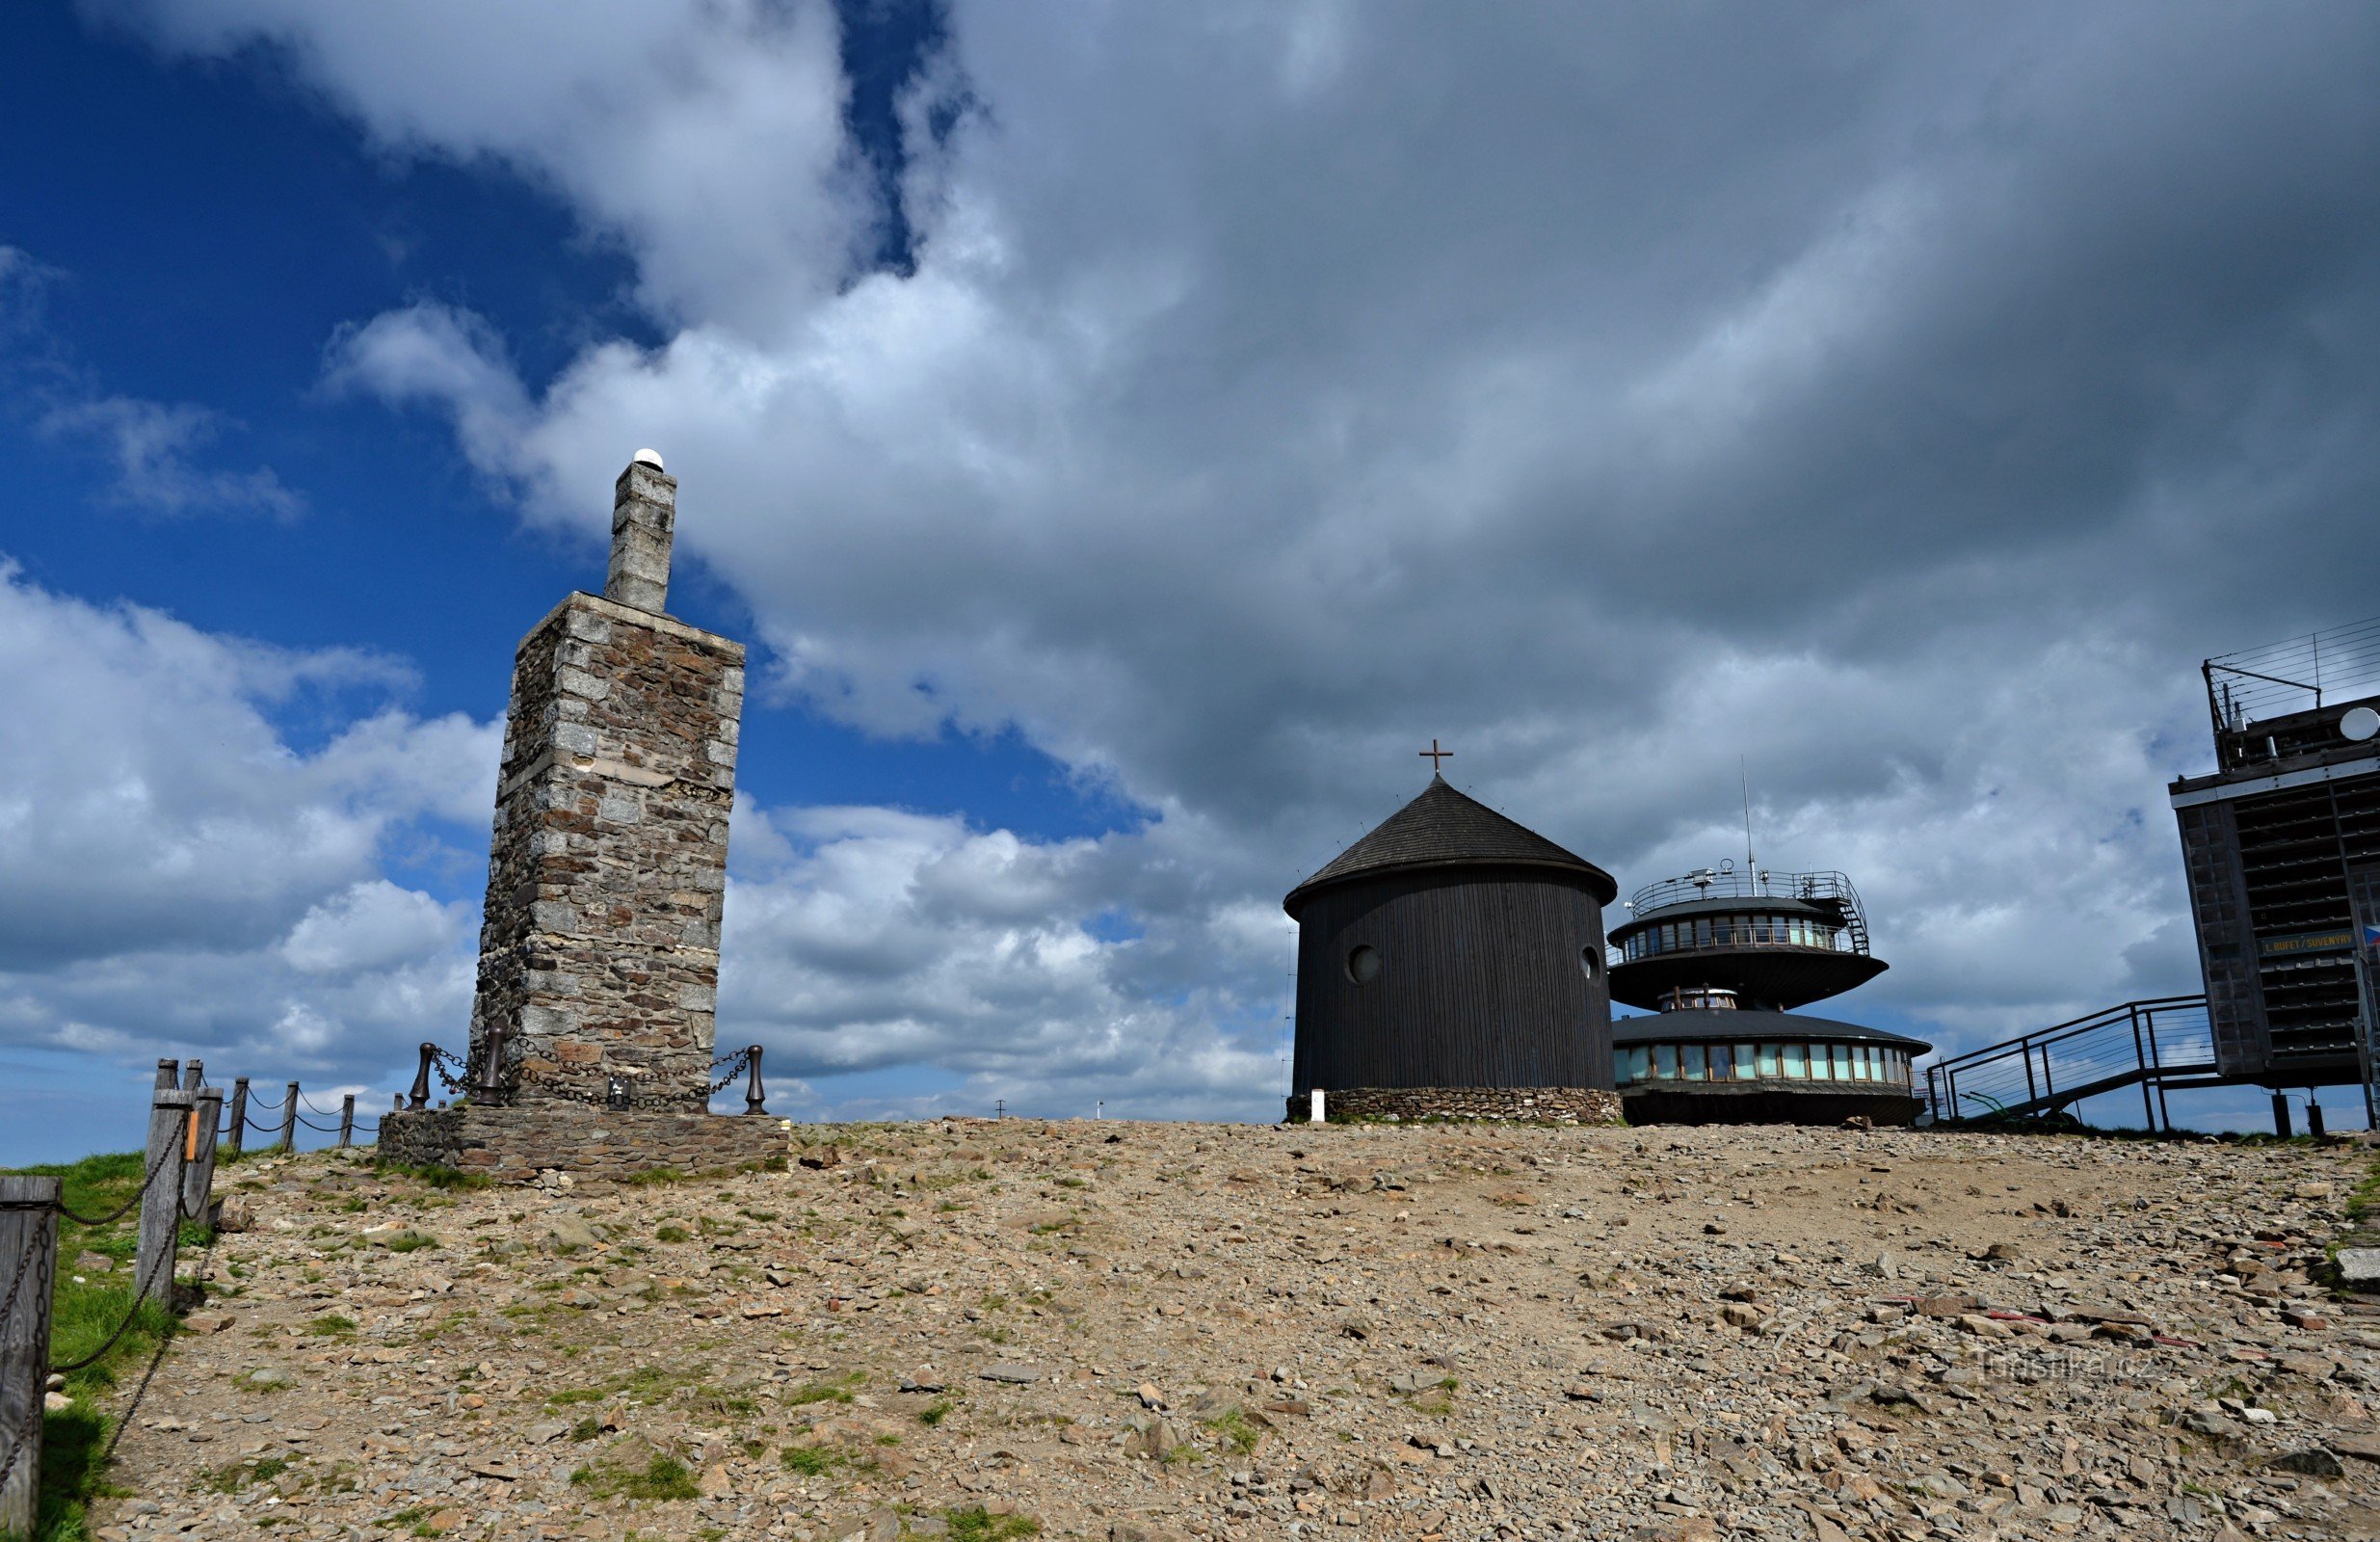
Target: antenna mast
[(1752, 869)]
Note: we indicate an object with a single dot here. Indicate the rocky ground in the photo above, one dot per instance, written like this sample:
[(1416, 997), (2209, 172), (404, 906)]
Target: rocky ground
[(976, 1329)]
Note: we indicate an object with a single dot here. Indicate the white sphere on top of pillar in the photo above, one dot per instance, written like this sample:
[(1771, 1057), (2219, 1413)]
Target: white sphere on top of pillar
[(652, 457)]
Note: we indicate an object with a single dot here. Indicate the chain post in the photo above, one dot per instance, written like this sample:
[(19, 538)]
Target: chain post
[(28, 1257), (755, 1096), (161, 1203), (347, 1121), (238, 1115), (288, 1143), (169, 1074), (193, 1074), (487, 1086), (419, 1096), (199, 1175)]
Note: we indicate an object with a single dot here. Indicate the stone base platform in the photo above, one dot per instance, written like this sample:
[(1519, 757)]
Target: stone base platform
[(513, 1145), (1543, 1105)]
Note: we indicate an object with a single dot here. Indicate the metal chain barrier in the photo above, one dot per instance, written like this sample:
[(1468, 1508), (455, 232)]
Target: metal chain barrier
[(140, 1294), (122, 1209), (24, 1260), (463, 1078), (20, 1442), (737, 1064)]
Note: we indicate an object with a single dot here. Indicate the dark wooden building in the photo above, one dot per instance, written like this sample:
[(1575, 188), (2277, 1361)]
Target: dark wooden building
[(1451, 948)]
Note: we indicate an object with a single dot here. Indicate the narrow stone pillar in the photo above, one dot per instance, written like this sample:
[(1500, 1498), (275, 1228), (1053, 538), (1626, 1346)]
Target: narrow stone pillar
[(599, 959), (644, 522)]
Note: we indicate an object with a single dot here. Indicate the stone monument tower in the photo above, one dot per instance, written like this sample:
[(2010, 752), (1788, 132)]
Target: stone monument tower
[(598, 957), (599, 966)]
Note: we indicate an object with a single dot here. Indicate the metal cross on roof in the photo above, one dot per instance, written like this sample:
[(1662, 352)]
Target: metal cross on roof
[(1434, 754)]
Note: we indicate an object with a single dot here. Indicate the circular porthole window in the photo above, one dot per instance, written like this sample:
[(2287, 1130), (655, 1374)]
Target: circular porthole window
[(1364, 963), (1587, 961)]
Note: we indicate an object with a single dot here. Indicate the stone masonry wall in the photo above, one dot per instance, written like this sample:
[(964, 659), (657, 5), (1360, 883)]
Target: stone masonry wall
[(1560, 1105), (599, 951), (513, 1145)]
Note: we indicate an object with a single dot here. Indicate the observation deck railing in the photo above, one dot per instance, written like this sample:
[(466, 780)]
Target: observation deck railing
[(1829, 889)]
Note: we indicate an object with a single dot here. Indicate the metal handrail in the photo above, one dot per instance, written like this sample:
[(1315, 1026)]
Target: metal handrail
[(2256, 684), (2136, 1042)]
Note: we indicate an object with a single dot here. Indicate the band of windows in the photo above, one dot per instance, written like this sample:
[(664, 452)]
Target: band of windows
[(1732, 931), (1762, 1062)]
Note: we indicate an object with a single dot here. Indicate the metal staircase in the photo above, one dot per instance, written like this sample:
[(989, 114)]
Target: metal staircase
[(2158, 1046)]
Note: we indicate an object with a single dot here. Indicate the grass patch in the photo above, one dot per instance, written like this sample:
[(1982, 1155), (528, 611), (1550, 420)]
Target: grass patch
[(837, 1390), (655, 1177), (1233, 1427), (242, 1474), (2362, 1206), (410, 1242), (811, 1461), (333, 1326), (975, 1524), (646, 1384), (718, 1402), (672, 1234), (933, 1413), (664, 1477), (436, 1177)]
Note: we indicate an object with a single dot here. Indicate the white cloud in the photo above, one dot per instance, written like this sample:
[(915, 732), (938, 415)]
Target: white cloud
[(174, 876), (153, 447), (152, 443), (1902, 401), (868, 939), (371, 925)]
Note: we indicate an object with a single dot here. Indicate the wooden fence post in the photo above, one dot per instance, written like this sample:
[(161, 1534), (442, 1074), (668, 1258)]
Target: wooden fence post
[(238, 1115), (289, 1122), (199, 1177), (347, 1121), (168, 1072), (170, 1132), (28, 1269), (194, 1074)]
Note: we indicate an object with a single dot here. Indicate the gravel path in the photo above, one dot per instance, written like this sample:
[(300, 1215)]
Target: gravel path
[(1142, 1331)]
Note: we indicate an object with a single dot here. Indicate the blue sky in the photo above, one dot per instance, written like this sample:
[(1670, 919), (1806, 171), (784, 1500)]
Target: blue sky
[(1125, 439)]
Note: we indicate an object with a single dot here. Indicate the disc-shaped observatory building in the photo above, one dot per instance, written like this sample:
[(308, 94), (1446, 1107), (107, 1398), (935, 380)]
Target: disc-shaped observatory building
[(1720, 958), (1451, 963)]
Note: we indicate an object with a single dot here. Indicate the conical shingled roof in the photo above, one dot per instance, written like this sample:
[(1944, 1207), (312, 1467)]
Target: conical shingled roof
[(1443, 828)]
